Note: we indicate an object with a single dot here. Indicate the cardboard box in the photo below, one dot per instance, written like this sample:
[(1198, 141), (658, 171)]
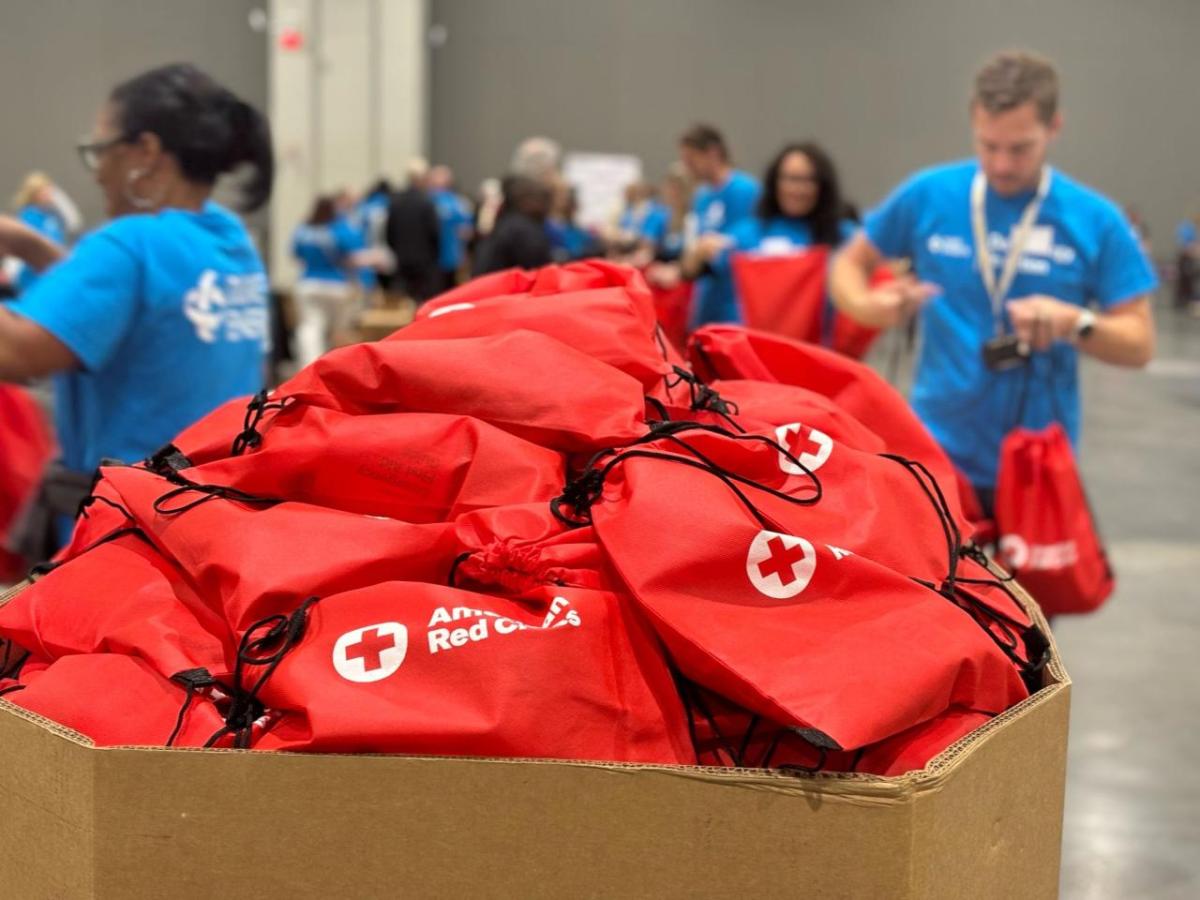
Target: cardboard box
[(983, 820)]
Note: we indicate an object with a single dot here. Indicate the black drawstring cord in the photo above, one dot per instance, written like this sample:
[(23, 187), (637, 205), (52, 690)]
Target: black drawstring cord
[(167, 461), (660, 408), (281, 633), (704, 398), (582, 492), (10, 668), (208, 492), (256, 409), (941, 506), (195, 680), (702, 355), (458, 561)]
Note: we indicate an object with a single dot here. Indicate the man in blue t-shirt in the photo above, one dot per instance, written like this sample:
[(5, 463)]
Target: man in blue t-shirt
[(725, 197), (1078, 280)]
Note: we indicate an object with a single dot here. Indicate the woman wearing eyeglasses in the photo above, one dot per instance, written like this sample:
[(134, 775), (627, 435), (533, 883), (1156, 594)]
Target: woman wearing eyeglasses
[(801, 205), (160, 315)]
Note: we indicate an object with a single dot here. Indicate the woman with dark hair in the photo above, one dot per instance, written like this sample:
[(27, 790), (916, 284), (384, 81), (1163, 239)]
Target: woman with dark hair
[(161, 314), (801, 205), (326, 246)]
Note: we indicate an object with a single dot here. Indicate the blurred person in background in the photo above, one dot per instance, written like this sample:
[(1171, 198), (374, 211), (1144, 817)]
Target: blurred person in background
[(801, 205), (643, 223), (539, 158), (326, 246), (724, 198), (569, 240), (519, 237), (1001, 334), (456, 220), (414, 236), (36, 204), (665, 271), (160, 315)]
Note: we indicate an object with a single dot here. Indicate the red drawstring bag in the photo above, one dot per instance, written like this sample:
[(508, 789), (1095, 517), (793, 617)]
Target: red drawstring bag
[(213, 436), (120, 597), (428, 669), (526, 383), (257, 558), (585, 275), (672, 308), (517, 549), (881, 508), (913, 749), (1048, 538), (730, 351), (802, 411), (783, 294), (800, 632), (418, 467), (787, 295), (613, 324), (118, 700), (25, 449)]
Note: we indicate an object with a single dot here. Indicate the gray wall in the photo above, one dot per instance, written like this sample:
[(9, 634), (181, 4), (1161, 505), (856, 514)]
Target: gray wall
[(59, 58), (882, 83)]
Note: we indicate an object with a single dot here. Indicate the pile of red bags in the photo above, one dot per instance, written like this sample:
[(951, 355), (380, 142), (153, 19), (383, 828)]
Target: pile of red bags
[(526, 525)]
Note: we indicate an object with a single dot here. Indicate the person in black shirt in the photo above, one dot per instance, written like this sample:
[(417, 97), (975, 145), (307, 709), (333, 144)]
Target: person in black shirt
[(413, 234), (519, 238)]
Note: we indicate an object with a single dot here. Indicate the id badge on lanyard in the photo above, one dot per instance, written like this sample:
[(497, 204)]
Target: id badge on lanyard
[(1003, 351)]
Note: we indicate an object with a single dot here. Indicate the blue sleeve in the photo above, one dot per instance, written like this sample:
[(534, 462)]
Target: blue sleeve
[(654, 228), (349, 239), (846, 230), (742, 201), (1122, 271), (891, 225), (89, 300)]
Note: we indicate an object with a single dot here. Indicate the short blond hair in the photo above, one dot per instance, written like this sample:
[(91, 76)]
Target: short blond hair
[(33, 183), (1014, 78)]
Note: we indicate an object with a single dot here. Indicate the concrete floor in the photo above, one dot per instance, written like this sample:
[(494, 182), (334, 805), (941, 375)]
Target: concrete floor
[(1132, 827)]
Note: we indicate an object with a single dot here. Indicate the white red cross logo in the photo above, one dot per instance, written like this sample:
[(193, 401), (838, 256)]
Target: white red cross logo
[(808, 445), (780, 565), (371, 653)]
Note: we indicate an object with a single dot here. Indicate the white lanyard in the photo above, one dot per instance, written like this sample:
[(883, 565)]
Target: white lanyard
[(1020, 237)]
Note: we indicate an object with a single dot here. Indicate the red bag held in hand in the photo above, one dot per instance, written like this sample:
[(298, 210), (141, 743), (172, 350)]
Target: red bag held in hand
[(427, 669), (783, 294), (1048, 538), (118, 700), (255, 559), (857, 652), (122, 597), (417, 467), (526, 383)]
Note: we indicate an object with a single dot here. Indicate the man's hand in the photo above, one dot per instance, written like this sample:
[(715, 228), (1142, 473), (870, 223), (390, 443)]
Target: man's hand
[(709, 246), (1039, 320), (895, 302)]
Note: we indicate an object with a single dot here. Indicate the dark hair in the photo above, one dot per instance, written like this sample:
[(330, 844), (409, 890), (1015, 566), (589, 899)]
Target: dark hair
[(705, 137), (205, 126), (825, 218), (324, 210)]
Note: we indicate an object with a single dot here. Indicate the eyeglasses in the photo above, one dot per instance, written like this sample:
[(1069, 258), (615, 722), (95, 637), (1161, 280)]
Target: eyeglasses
[(90, 151), (799, 179)]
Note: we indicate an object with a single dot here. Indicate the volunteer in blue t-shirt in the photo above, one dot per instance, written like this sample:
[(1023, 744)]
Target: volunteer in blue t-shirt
[(160, 315), (1011, 259), (36, 208), (801, 205), (455, 218), (724, 198), (325, 246)]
